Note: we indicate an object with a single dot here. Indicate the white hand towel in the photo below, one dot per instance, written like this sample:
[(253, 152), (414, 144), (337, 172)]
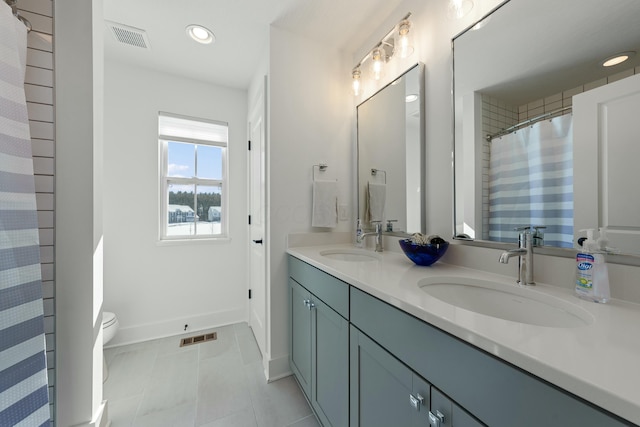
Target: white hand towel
[(377, 200), (325, 204)]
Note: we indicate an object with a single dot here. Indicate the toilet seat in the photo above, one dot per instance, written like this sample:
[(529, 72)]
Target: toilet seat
[(110, 326), (108, 319)]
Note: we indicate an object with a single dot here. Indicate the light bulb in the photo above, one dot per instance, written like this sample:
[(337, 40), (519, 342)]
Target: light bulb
[(377, 63), (404, 39), (355, 74)]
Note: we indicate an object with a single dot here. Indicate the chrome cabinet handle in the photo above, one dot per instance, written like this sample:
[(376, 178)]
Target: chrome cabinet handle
[(437, 419), (311, 305), (416, 401), (306, 302)]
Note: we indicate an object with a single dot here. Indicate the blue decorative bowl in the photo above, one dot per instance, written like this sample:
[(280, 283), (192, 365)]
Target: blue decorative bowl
[(423, 254)]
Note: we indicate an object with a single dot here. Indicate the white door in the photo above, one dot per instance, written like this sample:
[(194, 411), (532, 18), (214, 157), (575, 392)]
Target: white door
[(606, 153), (257, 272)]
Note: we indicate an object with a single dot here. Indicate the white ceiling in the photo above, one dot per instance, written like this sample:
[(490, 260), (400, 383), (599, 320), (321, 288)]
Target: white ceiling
[(241, 28)]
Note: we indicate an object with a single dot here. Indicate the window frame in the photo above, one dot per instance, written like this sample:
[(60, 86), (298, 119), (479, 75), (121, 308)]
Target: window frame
[(165, 180)]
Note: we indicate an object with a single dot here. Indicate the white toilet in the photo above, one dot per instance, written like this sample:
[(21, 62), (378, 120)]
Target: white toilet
[(109, 328)]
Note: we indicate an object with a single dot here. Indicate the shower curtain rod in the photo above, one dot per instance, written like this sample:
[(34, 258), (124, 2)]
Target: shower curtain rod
[(14, 9), (526, 123)]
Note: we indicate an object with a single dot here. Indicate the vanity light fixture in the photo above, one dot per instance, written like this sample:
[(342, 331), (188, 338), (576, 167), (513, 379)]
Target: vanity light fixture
[(616, 59), (355, 75), (405, 49), (396, 41), (377, 62), (200, 34)]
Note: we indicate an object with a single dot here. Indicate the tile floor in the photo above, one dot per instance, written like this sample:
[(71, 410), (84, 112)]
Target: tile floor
[(213, 384)]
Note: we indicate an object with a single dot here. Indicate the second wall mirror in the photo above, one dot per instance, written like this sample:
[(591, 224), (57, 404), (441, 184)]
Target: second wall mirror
[(390, 127)]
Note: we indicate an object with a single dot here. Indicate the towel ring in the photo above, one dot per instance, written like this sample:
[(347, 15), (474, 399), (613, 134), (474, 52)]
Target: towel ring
[(321, 167), (375, 171)]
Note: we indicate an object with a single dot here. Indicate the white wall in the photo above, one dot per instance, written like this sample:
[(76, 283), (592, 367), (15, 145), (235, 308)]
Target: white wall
[(310, 123), (79, 228), (155, 289)]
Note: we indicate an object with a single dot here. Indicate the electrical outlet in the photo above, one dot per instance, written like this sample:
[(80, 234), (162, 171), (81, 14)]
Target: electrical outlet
[(343, 213)]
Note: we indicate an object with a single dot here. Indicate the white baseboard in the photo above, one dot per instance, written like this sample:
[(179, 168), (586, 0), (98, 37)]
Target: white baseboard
[(278, 368), (167, 328)]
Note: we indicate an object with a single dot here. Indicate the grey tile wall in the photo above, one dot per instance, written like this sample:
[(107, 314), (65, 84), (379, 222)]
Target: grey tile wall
[(38, 87)]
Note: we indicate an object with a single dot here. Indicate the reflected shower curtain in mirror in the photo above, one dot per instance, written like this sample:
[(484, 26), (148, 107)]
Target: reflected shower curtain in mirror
[(531, 182), (23, 371)]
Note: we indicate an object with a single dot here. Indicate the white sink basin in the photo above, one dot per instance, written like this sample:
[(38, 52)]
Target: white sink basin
[(508, 302), (350, 255)]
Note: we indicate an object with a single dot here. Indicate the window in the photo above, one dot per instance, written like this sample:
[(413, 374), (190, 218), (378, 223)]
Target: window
[(193, 178)]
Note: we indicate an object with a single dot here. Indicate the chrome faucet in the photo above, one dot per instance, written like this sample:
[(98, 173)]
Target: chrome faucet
[(524, 252), (377, 233)]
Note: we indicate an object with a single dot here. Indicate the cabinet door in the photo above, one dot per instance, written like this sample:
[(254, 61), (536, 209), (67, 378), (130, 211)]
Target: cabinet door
[(382, 387), (441, 409), (330, 365), (461, 418), (300, 334), (445, 413)]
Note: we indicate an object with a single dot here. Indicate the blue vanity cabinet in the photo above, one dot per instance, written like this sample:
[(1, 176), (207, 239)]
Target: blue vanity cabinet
[(384, 392), (300, 335), (493, 391), (446, 413), (319, 339), (330, 366), (364, 363)]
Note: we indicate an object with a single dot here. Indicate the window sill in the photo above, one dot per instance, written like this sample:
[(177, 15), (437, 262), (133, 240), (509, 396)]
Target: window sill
[(201, 241)]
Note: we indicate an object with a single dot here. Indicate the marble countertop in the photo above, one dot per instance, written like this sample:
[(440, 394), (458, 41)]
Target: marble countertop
[(598, 362)]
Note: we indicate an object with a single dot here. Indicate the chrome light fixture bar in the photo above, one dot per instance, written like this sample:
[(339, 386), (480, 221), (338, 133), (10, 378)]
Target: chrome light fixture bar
[(397, 40)]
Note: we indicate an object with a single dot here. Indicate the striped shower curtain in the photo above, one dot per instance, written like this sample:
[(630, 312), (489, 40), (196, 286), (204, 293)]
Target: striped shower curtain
[(23, 372), (531, 182)]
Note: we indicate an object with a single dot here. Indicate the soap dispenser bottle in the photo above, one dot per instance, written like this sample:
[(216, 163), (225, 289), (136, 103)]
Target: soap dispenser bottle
[(592, 277)]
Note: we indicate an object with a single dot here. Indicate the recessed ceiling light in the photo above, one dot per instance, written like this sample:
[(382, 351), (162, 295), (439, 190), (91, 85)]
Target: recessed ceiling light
[(412, 97), (200, 34), (616, 59)]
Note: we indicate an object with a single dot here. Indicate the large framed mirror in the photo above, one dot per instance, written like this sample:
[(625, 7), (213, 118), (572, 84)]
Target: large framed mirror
[(543, 132), (391, 135)]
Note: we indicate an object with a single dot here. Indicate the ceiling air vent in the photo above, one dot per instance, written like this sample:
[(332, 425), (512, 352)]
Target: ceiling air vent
[(129, 35)]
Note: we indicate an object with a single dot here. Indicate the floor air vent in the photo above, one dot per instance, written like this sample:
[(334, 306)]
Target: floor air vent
[(198, 339), (129, 35)]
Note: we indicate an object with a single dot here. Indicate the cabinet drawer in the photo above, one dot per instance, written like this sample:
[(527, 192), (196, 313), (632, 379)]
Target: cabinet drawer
[(333, 292), (496, 392)]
